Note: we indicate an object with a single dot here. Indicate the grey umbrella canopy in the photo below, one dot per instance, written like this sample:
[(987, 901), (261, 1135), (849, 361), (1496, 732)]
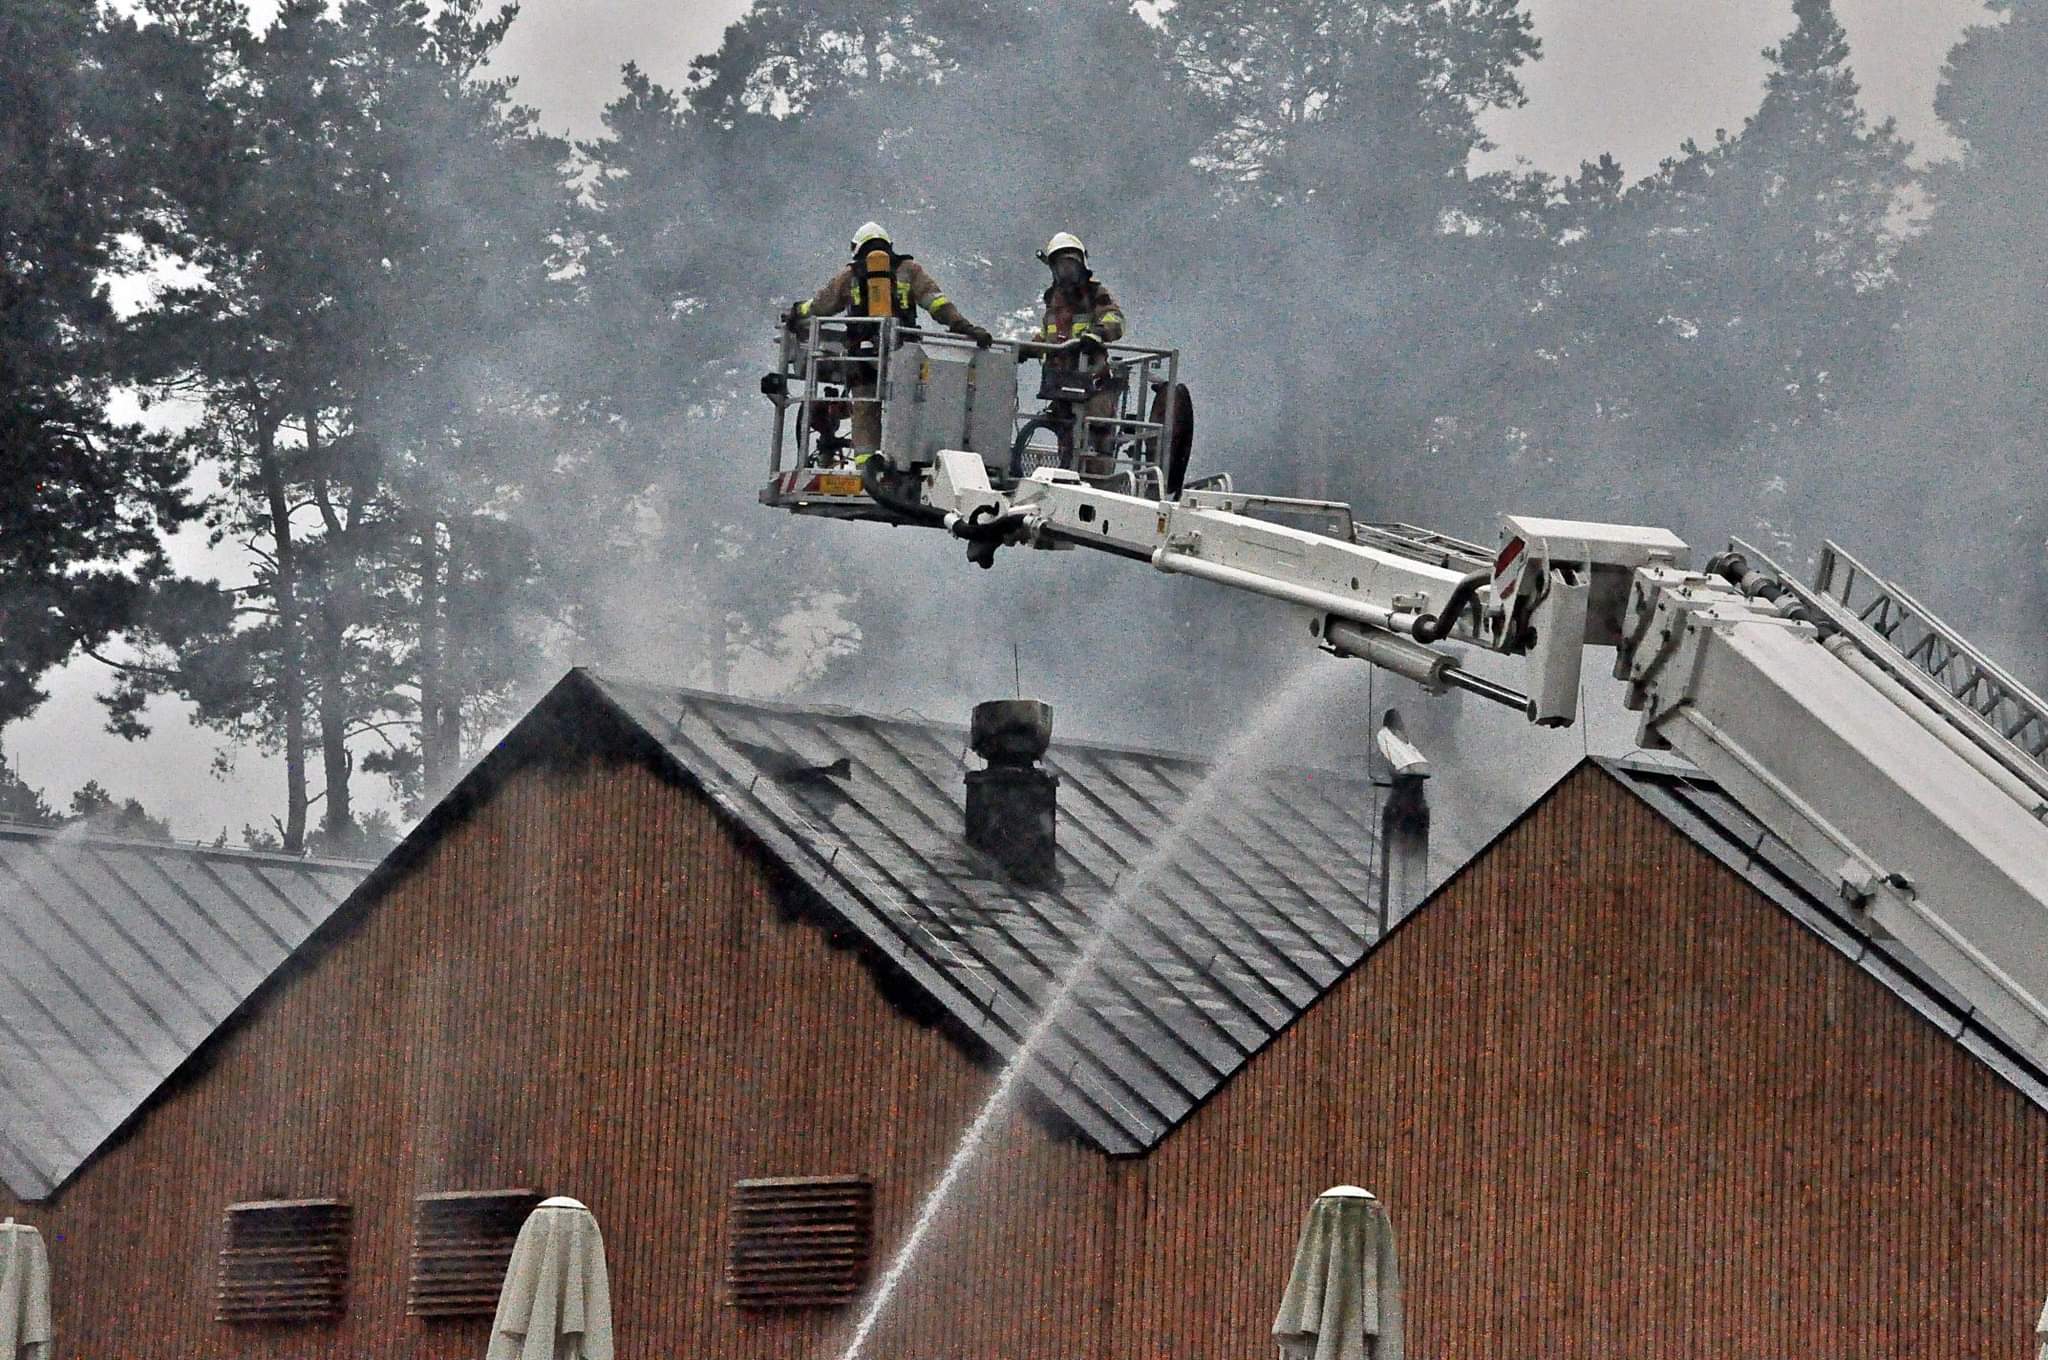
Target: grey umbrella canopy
[(25, 1331), (557, 1299), (1343, 1299)]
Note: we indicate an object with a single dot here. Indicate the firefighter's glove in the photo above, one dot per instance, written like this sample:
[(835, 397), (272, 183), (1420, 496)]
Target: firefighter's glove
[(978, 334), (794, 318)]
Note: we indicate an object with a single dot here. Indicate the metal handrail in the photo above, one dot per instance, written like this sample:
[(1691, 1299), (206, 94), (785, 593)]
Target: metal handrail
[(1898, 607), (1916, 669), (803, 354)]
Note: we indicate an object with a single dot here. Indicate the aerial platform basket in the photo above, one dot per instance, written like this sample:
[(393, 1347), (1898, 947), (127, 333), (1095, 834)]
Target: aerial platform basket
[(934, 391)]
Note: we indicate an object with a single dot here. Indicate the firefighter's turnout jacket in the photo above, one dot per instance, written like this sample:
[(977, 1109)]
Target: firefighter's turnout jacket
[(915, 288), (1087, 310), (846, 291), (1090, 311)]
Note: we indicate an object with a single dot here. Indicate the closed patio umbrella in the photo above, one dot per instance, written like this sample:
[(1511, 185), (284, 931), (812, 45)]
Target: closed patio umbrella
[(24, 1293), (557, 1299), (1343, 1299)]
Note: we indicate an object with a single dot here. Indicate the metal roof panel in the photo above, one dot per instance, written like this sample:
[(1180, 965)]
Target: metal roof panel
[(118, 958), (1256, 912)]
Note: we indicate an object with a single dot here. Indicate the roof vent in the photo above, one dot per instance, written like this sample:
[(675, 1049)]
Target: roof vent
[(799, 1241), (461, 1243), (283, 1261), (1012, 806)]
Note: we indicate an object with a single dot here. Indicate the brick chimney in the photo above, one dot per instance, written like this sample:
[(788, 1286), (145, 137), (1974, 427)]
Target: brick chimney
[(1012, 806)]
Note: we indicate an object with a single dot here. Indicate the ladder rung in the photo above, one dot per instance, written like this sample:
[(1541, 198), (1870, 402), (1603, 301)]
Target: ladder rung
[(1974, 695)]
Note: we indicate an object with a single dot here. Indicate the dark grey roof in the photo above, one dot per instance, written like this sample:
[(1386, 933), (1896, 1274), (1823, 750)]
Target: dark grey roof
[(1264, 902), (117, 959), (1716, 822)]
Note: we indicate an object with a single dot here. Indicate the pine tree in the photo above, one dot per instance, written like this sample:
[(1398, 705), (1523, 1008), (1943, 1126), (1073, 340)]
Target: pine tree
[(377, 244), (1713, 319), (463, 197), (676, 291), (790, 58), (1082, 134), (1799, 264), (97, 810), (255, 345), (1308, 93), (84, 500), (1385, 271), (20, 803), (1949, 449)]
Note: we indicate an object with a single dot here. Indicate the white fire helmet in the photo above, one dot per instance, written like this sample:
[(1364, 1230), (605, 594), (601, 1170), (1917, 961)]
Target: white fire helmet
[(870, 232), (1066, 240)]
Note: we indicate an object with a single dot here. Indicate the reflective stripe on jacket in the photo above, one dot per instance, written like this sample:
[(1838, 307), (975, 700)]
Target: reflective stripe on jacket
[(915, 287), (1094, 312)]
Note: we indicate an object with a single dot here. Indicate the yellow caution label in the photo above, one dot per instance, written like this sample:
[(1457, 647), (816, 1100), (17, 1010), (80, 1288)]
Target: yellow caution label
[(838, 484)]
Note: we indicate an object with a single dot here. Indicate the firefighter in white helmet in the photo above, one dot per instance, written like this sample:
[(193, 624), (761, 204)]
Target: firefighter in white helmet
[(877, 281), (1077, 305)]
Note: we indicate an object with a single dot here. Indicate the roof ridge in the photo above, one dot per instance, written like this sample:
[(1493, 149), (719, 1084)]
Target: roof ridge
[(1131, 1074), (670, 691), (74, 834)]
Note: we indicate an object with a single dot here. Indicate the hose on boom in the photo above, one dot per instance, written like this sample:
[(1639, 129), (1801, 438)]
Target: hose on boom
[(1734, 568), (985, 530), (1465, 595), (878, 480)]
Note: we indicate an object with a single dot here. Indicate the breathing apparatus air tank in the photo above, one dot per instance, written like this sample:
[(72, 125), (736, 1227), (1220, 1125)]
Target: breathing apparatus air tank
[(878, 282)]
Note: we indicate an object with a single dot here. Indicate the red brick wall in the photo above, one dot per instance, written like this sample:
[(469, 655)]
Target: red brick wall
[(587, 988), (1619, 1105)]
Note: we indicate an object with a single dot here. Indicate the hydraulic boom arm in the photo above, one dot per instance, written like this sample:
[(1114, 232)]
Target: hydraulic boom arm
[(1915, 781), (1377, 594), (1932, 834)]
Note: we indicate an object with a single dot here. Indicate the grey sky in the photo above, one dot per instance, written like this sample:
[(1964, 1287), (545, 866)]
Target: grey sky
[(1637, 77), (567, 53), (1634, 77)]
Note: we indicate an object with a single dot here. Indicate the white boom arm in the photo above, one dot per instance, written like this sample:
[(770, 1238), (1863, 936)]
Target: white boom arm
[(1929, 840), (1382, 602), (1919, 833)]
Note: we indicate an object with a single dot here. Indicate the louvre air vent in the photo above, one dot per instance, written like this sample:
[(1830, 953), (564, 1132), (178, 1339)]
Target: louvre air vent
[(800, 1241), (461, 1243), (283, 1261)]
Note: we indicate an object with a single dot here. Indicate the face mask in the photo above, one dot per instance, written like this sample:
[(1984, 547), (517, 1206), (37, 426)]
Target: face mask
[(1068, 271)]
